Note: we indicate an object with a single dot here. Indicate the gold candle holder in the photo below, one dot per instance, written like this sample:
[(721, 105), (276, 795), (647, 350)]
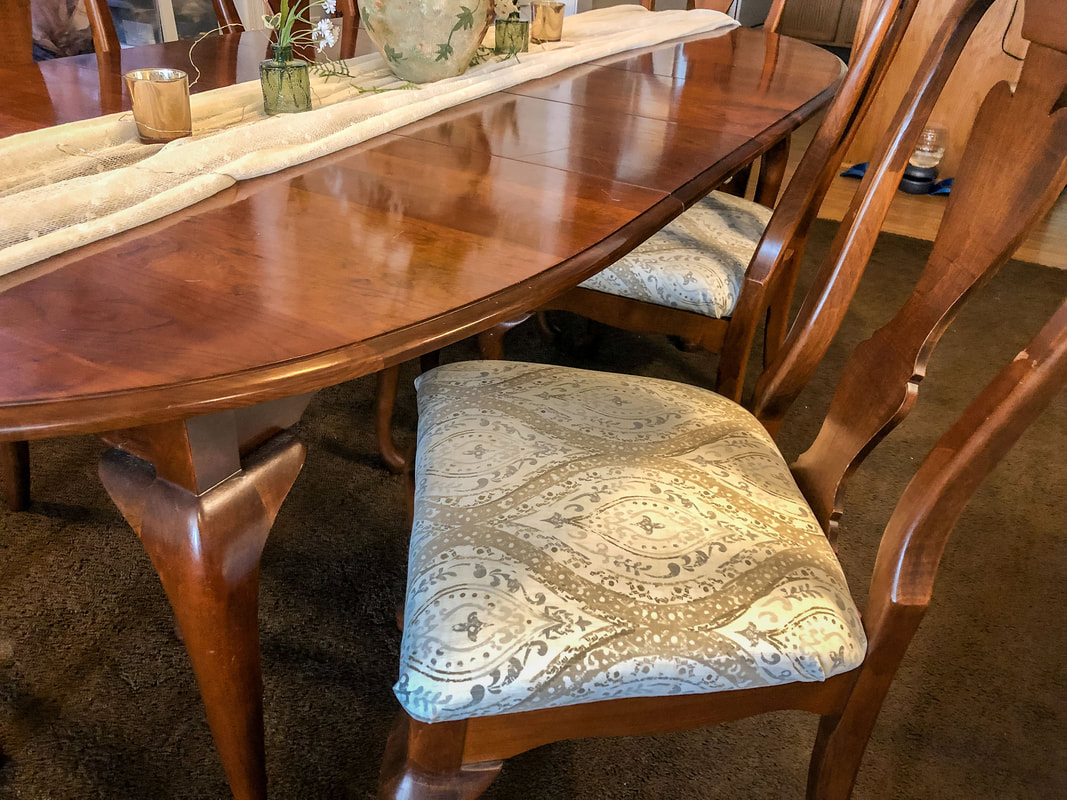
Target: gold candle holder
[(160, 104), (547, 24)]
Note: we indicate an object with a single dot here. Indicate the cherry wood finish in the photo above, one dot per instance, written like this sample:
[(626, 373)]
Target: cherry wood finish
[(171, 340), (773, 162), (15, 15), (835, 284), (226, 14), (1002, 191), (990, 57), (384, 401), (102, 27), (14, 456)]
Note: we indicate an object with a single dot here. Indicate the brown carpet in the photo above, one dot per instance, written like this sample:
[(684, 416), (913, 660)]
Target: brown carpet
[(97, 700)]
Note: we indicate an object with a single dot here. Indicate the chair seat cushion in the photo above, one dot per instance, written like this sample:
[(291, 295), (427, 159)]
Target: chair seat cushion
[(583, 536), (696, 262)]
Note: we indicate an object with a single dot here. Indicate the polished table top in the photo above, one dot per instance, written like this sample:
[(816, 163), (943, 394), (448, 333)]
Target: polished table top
[(330, 270), (170, 338)]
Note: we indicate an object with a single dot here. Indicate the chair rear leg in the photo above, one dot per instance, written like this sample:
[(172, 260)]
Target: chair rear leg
[(491, 342), (835, 761), (15, 474), (772, 173), (425, 762), (738, 184)]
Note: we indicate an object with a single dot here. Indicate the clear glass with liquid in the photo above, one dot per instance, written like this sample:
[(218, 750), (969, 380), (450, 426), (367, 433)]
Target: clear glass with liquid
[(931, 147)]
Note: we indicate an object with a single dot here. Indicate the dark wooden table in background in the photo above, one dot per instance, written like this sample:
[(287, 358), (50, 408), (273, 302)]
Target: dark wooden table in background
[(193, 343)]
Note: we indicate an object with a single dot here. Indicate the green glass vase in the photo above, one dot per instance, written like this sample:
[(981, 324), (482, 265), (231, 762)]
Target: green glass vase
[(286, 83), (512, 36)]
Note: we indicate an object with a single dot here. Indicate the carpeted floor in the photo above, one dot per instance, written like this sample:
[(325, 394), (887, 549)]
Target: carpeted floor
[(97, 700)]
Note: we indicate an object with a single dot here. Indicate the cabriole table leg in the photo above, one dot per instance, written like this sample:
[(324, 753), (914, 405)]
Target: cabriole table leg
[(202, 495)]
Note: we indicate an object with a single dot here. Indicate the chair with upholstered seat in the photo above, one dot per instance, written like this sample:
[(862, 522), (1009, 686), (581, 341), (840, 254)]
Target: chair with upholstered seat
[(718, 271), (714, 273), (597, 554)]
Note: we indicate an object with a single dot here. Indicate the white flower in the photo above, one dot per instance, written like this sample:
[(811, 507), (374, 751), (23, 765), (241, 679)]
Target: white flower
[(325, 33), (505, 8), (329, 6)]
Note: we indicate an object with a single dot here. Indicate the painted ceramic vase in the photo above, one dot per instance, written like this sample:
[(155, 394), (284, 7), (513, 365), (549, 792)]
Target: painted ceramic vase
[(426, 40)]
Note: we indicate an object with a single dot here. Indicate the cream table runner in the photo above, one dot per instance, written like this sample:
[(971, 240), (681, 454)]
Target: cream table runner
[(73, 184)]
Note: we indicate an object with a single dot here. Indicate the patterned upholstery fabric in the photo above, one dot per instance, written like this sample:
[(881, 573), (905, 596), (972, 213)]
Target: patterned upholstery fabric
[(696, 263), (583, 536)]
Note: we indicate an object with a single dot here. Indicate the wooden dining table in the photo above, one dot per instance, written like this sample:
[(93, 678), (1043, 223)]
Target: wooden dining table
[(193, 344)]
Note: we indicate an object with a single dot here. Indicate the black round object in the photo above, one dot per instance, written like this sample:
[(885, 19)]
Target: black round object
[(920, 173), (918, 180)]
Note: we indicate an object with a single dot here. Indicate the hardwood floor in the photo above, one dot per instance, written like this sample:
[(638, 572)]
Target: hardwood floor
[(920, 215)]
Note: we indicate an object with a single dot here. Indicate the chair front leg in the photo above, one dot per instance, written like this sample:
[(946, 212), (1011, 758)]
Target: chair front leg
[(384, 400), (842, 738), (425, 762), (15, 474)]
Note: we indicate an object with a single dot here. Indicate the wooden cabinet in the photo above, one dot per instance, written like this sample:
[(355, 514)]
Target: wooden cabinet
[(823, 21)]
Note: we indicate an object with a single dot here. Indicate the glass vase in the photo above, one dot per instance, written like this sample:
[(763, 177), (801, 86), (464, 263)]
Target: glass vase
[(285, 82), (512, 36)]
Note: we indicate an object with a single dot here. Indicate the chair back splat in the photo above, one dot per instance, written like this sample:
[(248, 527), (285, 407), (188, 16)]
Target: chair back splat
[(1000, 193), (226, 14), (102, 25), (835, 284)]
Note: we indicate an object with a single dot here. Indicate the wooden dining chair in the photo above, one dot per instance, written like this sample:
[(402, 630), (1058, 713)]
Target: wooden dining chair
[(600, 555), (712, 276), (105, 36), (740, 278), (15, 15)]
